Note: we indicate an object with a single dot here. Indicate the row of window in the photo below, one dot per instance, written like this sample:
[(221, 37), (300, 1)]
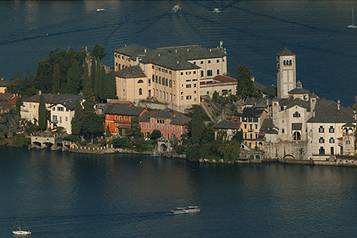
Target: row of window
[(162, 69), (287, 62), (56, 119), (251, 126), (250, 135), (322, 140), (208, 61), (163, 81), (331, 129), (120, 117), (60, 109), (161, 126)]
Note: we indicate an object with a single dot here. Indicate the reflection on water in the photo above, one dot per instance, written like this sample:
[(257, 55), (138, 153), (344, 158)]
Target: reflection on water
[(70, 195)]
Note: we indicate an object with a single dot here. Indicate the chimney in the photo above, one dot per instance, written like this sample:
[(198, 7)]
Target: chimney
[(354, 115), (145, 50), (188, 49), (39, 92), (158, 54), (176, 51), (210, 50), (338, 105), (178, 62)]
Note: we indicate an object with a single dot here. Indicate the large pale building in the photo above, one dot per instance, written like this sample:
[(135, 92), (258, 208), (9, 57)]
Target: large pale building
[(170, 75), (286, 72)]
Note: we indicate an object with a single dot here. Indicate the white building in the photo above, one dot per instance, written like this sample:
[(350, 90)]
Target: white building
[(328, 130), (60, 107), (291, 114), (286, 72)]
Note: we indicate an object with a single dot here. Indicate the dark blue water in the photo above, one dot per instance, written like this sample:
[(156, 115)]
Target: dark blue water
[(68, 195), (252, 31)]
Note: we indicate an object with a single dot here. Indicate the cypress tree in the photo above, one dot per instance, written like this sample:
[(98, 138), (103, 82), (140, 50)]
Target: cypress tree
[(73, 79), (86, 82), (42, 114), (56, 79)]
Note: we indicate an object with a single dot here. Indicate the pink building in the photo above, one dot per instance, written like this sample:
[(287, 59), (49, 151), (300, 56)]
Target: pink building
[(170, 123)]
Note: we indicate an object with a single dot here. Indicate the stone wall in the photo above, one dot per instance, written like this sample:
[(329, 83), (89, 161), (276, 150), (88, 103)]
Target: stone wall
[(290, 150)]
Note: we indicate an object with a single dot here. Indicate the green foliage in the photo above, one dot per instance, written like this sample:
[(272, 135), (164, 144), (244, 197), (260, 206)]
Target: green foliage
[(71, 71), (245, 85), (155, 134), (86, 122), (42, 114), (20, 141), (98, 51)]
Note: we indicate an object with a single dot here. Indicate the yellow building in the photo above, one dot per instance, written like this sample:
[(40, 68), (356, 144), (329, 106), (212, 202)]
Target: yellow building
[(170, 75)]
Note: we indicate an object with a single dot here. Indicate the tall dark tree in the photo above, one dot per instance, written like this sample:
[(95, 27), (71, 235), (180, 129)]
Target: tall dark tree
[(245, 84), (87, 86), (98, 52), (42, 114), (73, 79), (56, 79)]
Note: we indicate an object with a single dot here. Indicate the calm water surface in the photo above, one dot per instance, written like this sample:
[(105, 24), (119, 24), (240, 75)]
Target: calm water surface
[(252, 31), (67, 195)]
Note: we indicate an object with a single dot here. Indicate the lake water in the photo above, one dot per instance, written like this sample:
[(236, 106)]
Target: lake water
[(252, 31), (71, 195)]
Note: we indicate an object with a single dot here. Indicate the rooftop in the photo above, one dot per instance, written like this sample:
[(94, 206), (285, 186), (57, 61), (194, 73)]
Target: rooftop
[(175, 58), (123, 109), (225, 79), (252, 112), (131, 72), (268, 127), (68, 100), (285, 52), (329, 112)]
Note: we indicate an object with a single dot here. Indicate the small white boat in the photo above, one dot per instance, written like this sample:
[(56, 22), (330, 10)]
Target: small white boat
[(176, 8), (185, 210), (100, 10), (21, 233), (216, 10), (352, 26)]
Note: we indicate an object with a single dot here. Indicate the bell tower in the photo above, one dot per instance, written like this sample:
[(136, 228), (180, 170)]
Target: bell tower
[(286, 72)]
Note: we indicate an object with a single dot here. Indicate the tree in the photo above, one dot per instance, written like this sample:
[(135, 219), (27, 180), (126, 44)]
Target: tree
[(86, 122), (56, 79), (87, 86), (98, 52), (73, 79), (245, 84), (42, 114), (355, 104), (155, 134)]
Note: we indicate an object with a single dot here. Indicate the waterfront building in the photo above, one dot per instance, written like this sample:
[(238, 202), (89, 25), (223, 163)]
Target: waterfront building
[(7, 101), (251, 122), (330, 130), (120, 116), (225, 130), (170, 75), (171, 124), (291, 114), (286, 72), (61, 108)]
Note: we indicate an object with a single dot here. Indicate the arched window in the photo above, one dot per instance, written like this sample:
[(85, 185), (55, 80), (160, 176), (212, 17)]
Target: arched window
[(332, 140), (296, 114), (331, 129), (140, 81), (297, 136), (321, 140), (140, 91)]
